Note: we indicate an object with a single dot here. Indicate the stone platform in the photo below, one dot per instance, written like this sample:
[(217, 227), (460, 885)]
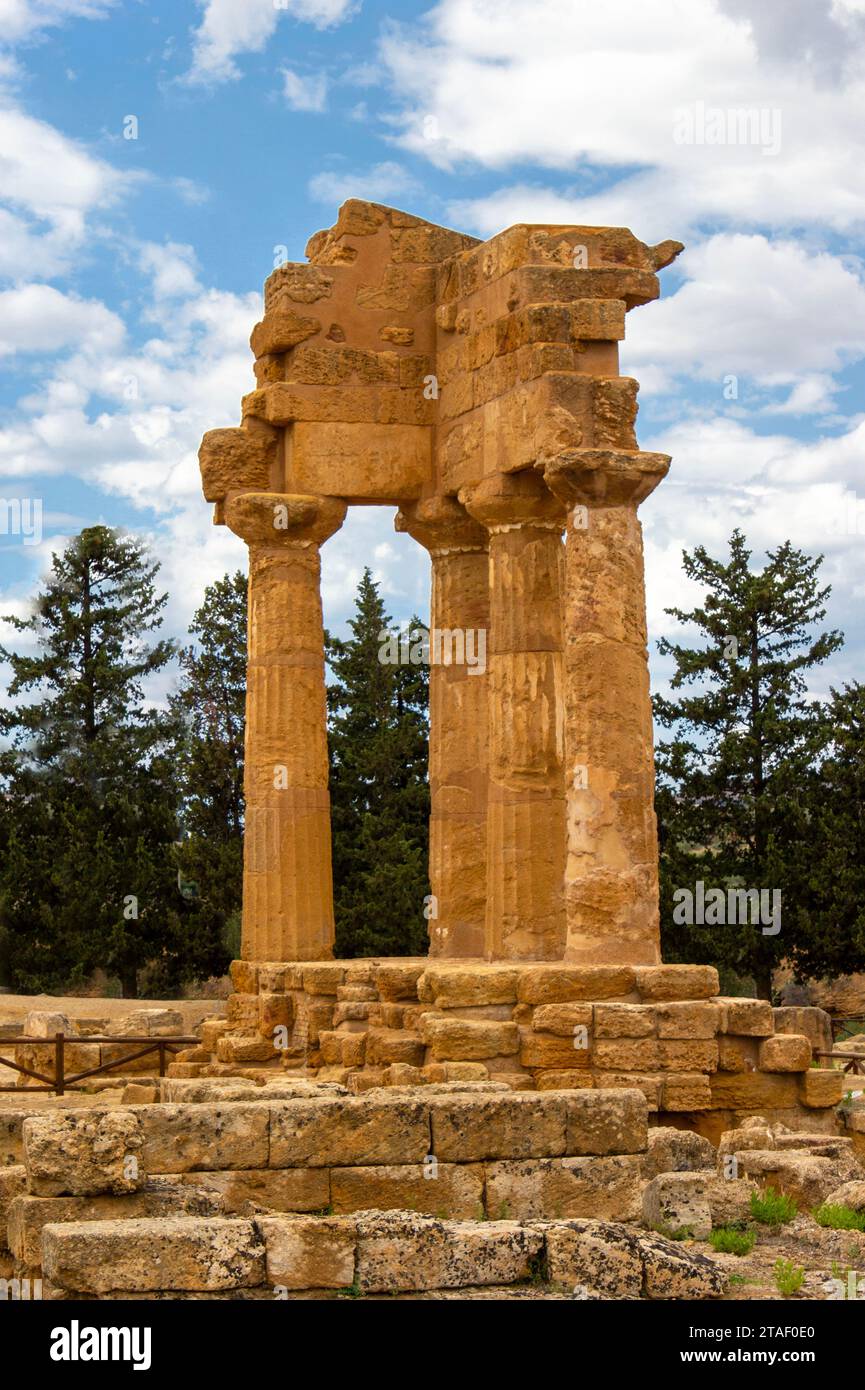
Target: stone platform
[(704, 1062)]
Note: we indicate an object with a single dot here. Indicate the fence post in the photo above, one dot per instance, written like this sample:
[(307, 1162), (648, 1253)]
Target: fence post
[(162, 1059), (59, 1064)]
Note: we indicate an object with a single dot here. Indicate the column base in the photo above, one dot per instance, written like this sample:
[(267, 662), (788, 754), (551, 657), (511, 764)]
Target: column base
[(699, 1058)]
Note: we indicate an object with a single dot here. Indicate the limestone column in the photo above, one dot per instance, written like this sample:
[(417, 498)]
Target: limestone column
[(458, 749), (287, 876), (611, 880), (525, 916)]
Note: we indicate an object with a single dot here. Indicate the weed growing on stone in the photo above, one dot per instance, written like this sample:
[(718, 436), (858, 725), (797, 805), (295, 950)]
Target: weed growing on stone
[(789, 1278), (772, 1208), (725, 1240), (839, 1217)]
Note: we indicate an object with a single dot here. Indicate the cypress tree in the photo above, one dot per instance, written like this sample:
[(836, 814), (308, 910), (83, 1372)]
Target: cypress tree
[(378, 740)]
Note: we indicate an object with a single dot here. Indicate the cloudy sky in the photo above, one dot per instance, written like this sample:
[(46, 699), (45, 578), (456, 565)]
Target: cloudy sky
[(158, 156)]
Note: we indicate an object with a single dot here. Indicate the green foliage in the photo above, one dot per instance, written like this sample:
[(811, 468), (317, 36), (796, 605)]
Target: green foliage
[(789, 1278), (210, 710), (88, 807), (378, 747), (735, 781), (772, 1208), (828, 886), (839, 1217), (726, 1240)]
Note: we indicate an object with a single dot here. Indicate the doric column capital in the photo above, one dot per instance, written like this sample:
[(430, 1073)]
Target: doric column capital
[(604, 477), (283, 518), (513, 501), (441, 525)]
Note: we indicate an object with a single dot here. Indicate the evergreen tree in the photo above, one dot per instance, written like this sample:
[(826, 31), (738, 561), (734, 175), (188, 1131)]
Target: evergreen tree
[(210, 706), (830, 875), (733, 782), (87, 877), (378, 740)]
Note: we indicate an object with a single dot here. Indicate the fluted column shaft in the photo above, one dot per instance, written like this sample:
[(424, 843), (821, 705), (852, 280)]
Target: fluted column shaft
[(287, 874), (458, 745), (611, 879), (525, 918)]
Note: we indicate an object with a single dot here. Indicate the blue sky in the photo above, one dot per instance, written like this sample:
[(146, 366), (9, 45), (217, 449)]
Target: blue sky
[(131, 269)]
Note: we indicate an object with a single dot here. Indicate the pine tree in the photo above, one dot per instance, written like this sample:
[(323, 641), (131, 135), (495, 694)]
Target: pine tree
[(733, 781), (87, 877), (830, 877), (210, 705), (378, 741)]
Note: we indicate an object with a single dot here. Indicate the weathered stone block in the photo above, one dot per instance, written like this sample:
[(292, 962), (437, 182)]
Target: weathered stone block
[(308, 1252), (181, 1138), (688, 1020), (460, 1039), (737, 1054), (676, 1151), (562, 1019), (814, 1024), (398, 981), (448, 1190), (822, 1086), (28, 1216), (448, 987), (606, 1122), (697, 1056), (624, 1021), (13, 1183), (348, 1133), (83, 1152), (517, 1124), (753, 1091), (399, 1252), (747, 1017), (277, 1189), (153, 1254), (625, 1054), (649, 1085), (564, 1079), (550, 1050), (553, 1188), (566, 984), (389, 1045), (785, 1052), (676, 982), (685, 1092), (591, 1256), (676, 1202)]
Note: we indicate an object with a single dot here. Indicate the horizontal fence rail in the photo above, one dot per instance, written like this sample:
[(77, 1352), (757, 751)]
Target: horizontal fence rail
[(61, 1081)]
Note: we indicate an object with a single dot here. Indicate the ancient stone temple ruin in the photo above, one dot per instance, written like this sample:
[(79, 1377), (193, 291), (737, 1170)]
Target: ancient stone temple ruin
[(475, 387)]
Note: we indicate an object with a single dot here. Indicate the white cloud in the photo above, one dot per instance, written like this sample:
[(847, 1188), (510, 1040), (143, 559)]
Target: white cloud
[(50, 185), (39, 318), (382, 181), (304, 93), (232, 27), (22, 19), (780, 313), (172, 268), (565, 86)]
